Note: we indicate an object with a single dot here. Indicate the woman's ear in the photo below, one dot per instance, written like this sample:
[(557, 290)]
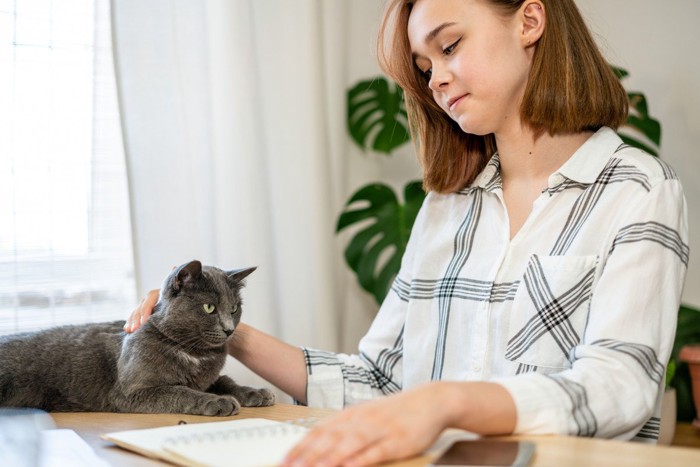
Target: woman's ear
[(533, 22)]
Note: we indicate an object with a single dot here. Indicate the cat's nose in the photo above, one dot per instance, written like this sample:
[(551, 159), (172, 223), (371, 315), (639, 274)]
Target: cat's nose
[(228, 331)]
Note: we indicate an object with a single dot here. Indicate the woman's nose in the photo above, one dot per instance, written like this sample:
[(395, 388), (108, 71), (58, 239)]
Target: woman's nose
[(439, 78)]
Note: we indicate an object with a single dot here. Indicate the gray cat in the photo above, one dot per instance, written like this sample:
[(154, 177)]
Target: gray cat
[(169, 365)]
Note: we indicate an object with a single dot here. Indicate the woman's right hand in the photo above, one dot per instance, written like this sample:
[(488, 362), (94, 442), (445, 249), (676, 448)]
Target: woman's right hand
[(142, 312)]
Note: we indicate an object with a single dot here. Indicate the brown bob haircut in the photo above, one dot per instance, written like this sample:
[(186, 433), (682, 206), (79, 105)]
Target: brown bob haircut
[(571, 88)]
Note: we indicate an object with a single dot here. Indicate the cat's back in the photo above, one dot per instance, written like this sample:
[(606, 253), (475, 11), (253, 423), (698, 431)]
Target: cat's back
[(48, 341), (56, 368)]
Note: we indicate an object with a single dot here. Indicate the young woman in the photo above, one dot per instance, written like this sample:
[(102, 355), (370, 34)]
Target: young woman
[(539, 289)]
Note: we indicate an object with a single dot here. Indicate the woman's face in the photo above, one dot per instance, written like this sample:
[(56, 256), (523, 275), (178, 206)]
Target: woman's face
[(475, 61)]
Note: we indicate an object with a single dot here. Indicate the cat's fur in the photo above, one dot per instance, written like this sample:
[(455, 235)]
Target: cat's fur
[(169, 365)]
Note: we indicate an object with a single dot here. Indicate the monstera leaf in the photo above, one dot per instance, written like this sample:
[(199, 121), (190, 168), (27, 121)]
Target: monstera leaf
[(375, 251), (377, 116), (640, 120)]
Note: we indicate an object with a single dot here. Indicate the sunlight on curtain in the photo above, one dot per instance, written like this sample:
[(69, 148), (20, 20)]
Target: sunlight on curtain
[(65, 242)]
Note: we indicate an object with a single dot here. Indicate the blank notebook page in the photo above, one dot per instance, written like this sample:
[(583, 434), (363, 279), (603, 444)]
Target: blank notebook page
[(245, 442)]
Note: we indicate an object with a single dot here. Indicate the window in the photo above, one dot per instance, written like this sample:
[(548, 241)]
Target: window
[(65, 237)]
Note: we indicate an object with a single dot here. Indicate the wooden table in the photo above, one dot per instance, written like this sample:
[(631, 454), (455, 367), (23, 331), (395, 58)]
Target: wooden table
[(550, 450)]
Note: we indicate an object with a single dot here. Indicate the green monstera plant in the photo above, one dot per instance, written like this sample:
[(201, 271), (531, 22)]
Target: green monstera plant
[(375, 252), (377, 115), (377, 120), (639, 121)]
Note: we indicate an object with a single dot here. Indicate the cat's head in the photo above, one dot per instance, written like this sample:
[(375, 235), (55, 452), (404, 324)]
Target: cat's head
[(200, 306)]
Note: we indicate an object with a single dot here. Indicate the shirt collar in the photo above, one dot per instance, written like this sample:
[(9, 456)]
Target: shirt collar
[(490, 176), (583, 166), (590, 159)]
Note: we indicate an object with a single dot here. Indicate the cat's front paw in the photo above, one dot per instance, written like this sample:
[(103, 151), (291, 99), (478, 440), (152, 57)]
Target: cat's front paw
[(221, 406), (257, 397)]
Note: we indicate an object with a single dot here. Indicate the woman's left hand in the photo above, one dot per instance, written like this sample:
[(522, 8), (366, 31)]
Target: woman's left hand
[(394, 427)]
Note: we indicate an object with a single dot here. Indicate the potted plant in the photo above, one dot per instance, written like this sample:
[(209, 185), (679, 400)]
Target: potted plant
[(687, 363)]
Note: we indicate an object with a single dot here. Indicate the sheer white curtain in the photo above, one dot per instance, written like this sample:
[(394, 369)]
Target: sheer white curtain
[(233, 117), (65, 248)]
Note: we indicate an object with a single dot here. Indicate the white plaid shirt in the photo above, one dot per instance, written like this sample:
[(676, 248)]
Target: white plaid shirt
[(575, 316)]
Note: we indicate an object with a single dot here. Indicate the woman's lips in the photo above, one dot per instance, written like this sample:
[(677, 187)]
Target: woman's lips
[(454, 101)]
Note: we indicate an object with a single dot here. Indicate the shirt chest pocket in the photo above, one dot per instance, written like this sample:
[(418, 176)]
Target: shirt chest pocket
[(550, 309)]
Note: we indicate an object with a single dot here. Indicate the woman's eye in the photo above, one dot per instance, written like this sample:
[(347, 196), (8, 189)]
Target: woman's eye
[(450, 48), (209, 308)]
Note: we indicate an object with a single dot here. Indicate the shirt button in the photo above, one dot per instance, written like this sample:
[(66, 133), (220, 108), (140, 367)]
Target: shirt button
[(555, 179), (476, 367)]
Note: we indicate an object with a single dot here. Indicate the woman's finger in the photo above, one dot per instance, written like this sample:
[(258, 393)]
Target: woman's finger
[(331, 446), (132, 316), (149, 302), (142, 312)]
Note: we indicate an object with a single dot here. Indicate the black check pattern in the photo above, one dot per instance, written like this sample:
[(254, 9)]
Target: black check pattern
[(525, 368), (553, 312), (463, 288), (586, 423), (650, 430), (644, 355), (377, 374), (463, 242), (615, 171), (653, 232)]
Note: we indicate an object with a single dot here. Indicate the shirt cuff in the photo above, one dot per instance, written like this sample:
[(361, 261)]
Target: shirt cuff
[(538, 402), (324, 387)]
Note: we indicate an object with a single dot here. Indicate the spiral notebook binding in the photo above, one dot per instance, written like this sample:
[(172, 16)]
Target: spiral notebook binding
[(266, 431), (305, 422)]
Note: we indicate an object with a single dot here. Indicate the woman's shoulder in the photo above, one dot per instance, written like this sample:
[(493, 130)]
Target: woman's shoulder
[(652, 168)]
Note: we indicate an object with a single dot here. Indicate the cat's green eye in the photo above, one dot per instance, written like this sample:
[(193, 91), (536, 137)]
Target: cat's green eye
[(209, 308)]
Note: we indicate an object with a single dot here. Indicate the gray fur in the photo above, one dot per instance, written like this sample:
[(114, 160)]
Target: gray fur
[(169, 365)]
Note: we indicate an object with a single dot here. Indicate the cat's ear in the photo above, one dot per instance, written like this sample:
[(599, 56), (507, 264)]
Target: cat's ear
[(239, 274), (186, 274)]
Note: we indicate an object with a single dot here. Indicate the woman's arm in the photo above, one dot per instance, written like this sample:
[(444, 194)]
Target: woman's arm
[(406, 424), (279, 363)]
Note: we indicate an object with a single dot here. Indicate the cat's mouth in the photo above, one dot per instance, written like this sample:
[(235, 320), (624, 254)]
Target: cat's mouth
[(215, 338)]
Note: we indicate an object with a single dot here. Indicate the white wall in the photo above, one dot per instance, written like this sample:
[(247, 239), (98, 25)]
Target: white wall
[(656, 42)]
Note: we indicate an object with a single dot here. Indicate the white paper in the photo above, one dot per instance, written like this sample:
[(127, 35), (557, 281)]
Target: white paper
[(61, 448)]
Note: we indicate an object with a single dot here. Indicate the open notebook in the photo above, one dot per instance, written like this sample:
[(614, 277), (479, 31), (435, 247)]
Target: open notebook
[(245, 442)]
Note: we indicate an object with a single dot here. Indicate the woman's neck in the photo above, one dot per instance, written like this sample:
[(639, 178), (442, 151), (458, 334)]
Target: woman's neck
[(523, 157)]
